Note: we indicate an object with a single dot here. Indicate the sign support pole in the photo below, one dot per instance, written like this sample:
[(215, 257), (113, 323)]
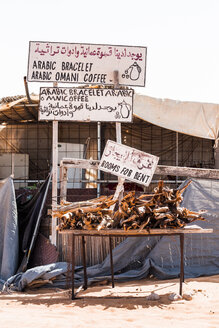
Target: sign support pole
[(98, 156), (120, 188), (118, 124), (54, 176), (177, 154)]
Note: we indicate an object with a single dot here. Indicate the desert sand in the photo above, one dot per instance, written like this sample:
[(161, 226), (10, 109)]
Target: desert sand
[(126, 305)]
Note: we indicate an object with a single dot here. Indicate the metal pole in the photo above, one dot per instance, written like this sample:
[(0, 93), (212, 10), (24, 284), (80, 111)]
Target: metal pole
[(39, 216), (73, 268), (27, 90), (111, 261), (84, 262), (181, 262)]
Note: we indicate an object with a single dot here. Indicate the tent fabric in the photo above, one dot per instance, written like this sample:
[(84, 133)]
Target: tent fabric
[(136, 258), (45, 273), (8, 229), (192, 118)]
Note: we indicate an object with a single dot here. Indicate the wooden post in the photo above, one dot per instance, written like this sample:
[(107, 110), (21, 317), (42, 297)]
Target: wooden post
[(54, 175), (12, 164), (177, 153), (98, 156), (216, 154), (118, 125), (187, 172), (54, 179), (63, 183), (120, 187)]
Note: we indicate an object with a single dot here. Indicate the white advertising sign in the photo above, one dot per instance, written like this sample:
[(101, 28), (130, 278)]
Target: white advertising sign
[(86, 63), (129, 163), (86, 104)]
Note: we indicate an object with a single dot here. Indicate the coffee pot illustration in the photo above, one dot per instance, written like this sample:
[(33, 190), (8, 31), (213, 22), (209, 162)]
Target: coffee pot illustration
[(133, 72), (125, 109)]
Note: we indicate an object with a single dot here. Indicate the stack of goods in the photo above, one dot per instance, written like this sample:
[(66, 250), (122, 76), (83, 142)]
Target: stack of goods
[(160, 210)]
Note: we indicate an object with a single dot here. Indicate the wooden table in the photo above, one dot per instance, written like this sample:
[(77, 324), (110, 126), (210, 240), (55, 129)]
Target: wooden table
[(131, 233)]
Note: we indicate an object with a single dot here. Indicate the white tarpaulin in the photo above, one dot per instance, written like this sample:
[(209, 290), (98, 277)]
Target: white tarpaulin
[(8, 229), (192, 118)]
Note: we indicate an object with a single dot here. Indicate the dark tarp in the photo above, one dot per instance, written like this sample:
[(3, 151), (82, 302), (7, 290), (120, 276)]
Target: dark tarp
[(28, 214), (17, 226)]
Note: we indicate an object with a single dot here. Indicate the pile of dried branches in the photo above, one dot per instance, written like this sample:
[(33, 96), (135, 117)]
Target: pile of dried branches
[(148, 211), (92, 214), (158, 210)]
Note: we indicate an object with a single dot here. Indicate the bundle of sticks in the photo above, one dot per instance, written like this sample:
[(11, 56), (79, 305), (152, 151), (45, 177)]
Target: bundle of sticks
[(160, 209), (92, 214)]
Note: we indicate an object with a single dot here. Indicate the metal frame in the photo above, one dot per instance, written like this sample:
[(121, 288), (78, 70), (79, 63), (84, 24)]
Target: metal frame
[(130, 233)]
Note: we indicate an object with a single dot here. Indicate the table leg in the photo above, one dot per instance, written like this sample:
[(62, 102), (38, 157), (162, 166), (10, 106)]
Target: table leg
[(84, 262), (181, 262), (111, 261), (73, 268)]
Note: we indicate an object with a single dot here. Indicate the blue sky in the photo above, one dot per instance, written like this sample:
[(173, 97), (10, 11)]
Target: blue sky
[(181, 37)]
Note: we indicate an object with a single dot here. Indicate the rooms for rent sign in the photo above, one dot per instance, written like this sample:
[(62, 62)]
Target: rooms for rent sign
[(86, 63), (129, 163)]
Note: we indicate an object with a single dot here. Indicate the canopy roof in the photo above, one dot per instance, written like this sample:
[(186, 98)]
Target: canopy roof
[(192, 118), (19, 110)]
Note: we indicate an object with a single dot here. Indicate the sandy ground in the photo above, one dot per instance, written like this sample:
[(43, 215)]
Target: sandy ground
[(124, 306)]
